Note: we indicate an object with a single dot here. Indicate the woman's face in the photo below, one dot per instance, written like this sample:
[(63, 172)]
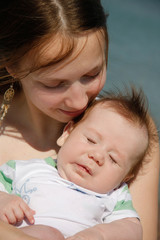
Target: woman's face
[(63, 91)]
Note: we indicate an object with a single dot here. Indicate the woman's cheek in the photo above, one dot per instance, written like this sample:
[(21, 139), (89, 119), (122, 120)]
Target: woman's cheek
[(101, 83), (104, 77)]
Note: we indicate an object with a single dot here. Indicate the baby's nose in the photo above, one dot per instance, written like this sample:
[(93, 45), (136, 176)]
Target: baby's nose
[(98, 157)]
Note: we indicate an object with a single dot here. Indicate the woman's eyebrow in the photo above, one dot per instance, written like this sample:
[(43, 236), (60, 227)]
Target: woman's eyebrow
[(91, 71), (97, 68)]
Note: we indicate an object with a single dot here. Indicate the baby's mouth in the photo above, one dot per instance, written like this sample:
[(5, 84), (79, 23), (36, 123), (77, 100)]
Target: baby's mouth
[(85, 168)]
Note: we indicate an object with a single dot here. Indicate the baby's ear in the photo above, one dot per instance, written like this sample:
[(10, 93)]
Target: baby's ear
[(67, 130), (128, 177)]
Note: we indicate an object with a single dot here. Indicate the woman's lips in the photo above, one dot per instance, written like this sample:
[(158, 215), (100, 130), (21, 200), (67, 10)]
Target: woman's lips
[(72, 113)]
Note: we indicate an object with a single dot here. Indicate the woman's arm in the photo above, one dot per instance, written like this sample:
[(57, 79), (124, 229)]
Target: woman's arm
[(144, 191), (123, 229), (9, 232)]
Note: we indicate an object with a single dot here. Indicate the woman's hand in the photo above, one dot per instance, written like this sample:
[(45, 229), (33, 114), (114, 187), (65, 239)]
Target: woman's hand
[(13, 209)]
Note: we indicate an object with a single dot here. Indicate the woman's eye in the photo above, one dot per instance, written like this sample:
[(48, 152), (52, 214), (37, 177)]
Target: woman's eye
[(90, 140), (94, 76), (89, 78), (56, 86)]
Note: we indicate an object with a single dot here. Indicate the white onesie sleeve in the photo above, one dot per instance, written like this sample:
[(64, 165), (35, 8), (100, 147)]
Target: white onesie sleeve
[(7, 173)]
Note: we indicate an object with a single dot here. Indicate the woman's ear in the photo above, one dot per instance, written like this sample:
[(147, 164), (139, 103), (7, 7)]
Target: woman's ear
[(66, 132), (10, 71)]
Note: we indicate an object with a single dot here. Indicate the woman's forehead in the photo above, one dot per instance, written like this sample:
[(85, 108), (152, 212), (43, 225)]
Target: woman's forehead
[(59, 50)]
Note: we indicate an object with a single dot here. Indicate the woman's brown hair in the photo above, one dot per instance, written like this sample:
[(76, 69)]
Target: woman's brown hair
[(26, 24)]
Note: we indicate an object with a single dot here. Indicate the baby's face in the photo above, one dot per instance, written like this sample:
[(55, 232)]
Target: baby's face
[(101, 150)]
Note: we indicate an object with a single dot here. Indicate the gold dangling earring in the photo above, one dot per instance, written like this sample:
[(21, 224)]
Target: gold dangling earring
[(7, 98)]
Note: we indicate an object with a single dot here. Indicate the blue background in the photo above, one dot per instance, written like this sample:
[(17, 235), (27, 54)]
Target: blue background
[(134, 47)]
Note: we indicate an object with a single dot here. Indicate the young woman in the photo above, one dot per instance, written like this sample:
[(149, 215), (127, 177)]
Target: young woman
[(53, 55)]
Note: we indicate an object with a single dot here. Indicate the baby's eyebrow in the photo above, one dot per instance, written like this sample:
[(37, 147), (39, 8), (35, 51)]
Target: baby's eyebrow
[(95, 132)]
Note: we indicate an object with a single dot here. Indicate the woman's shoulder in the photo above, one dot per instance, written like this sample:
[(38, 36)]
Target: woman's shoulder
[(16, 148)]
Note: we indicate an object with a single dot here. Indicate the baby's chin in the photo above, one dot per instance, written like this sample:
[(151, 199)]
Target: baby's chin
[(62, 174), (80, 179)]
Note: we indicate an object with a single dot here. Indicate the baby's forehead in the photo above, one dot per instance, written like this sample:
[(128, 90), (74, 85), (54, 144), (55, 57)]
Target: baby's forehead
[(100, 108)]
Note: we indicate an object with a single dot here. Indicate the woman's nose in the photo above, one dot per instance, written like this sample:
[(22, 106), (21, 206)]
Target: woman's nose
[(77, 97), (97, 156)]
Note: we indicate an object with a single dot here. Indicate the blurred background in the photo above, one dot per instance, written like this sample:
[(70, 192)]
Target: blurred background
[(134, 48)]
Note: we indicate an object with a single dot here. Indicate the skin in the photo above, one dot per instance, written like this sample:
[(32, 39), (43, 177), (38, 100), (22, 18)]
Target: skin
[(13, 209), (61, 93), (14, 233), (43, 232), (106, 146), (148, 196)]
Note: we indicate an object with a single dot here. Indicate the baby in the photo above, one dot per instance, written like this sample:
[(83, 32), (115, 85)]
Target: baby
[(99, 154)]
